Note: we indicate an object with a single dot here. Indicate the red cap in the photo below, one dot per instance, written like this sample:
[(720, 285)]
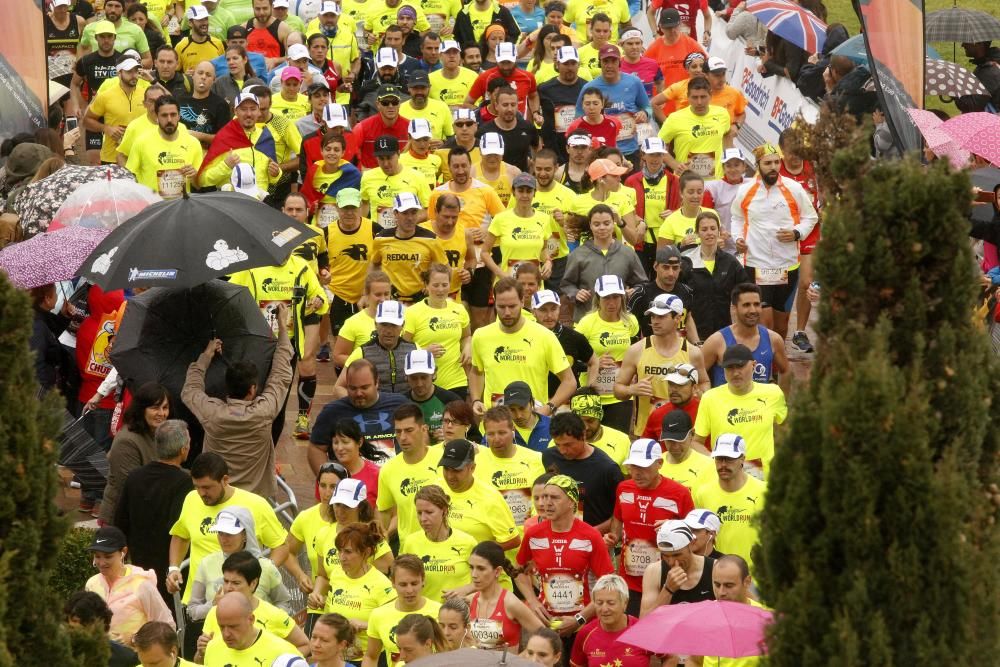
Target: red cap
[(609, 51)]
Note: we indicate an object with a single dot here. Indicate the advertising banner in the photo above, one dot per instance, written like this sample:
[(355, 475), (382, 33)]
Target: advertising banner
[(23, 81)]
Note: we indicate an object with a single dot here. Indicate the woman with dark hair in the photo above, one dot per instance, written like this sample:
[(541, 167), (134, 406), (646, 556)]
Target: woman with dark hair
[(457, 421), (134, 445), (360, 457), (138, 14), (44, 341), (498, 617), (543, 52), (419, 636), (240, 72)]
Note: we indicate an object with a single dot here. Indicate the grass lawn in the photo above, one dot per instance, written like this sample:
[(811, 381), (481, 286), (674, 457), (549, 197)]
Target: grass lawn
[(840, 11)]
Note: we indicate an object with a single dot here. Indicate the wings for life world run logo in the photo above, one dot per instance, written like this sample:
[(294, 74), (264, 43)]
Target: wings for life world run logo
[(505, 353), (439, 324)]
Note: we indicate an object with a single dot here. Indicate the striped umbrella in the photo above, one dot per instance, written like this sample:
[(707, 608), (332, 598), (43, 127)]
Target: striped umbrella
[(791, 22)]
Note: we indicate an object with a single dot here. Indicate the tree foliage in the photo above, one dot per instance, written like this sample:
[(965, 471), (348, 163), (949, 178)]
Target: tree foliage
[(879, 544)]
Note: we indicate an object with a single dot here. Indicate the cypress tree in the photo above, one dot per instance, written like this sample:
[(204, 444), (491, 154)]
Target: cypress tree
[(878, 539), (30, 528)]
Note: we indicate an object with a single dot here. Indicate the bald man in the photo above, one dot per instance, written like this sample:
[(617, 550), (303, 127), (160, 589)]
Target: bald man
[(242, 641), (203, 112)]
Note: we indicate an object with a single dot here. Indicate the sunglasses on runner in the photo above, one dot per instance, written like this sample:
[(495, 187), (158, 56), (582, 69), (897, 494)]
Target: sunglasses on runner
[(465, 123)]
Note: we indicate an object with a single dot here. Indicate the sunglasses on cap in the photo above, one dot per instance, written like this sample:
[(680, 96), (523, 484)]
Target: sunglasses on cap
[(683, 372), (334, 467)]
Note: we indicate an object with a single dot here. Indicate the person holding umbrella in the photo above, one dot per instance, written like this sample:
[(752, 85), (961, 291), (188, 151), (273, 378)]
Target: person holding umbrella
[(731, 582)]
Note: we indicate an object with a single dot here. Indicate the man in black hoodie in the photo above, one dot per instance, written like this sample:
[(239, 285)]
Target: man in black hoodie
[(986, 58)]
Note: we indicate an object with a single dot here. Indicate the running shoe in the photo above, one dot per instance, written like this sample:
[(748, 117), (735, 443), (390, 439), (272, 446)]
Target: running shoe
[(801, 341), (301, 431), (323, 355)]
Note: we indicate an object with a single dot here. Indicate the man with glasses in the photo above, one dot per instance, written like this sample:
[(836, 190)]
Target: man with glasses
[(681, 462), (386, 122), (464, 124)]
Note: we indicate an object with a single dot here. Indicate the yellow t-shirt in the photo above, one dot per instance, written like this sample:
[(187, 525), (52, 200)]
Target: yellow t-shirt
[(479, 19), (452, 91), (358, 328), (380, 190), (752, 416), (547, 71), (266, 617), (331, 558), (558, 198), (444, 326), (398, 481), (263, 651), (381, 17), (196, 517), (704, 151), (677, 225), (353, 14), (117, 108), (310, 529), (481, 512), (455, 249), (614, 443), (191, 53), (383, 621), (405, 260), (350, 253), (612, 338), (738, 512), (590, 61), (621, 200), (287, 138), (529, 354), (512, 477), (446, 563), (478, 202), (522, 239), (580, 12), (137, 128), (291, 109), (356, 599), (312, 248), (441, 12), (429, 166), (156, 162), (694, 471), (437, 113)]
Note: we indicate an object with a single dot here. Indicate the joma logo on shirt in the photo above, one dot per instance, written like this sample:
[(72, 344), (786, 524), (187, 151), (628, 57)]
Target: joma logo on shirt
[(504, 353), (740, 416), (402, 257)]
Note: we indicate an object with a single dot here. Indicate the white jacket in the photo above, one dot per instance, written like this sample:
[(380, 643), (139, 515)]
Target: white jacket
[(784, 205)]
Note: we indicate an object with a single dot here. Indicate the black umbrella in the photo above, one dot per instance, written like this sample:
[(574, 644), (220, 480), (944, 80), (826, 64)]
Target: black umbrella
[(165, 329), (189, 241), (79, 452)]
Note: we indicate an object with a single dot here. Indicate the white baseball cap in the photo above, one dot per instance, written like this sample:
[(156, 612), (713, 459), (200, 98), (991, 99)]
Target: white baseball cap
[(228, 523), (729, 446), (732, 154), (297, 52), (289, 660), (419, 362), (245, 97), (386, 57), (565, 54), (608, 285), (195, 13), (329, 8), (280, 3), (406, 201), (673, 535), (665, 303), (716, 64), (462, 113), (335, 115), (244, 180), (350, 492), (491, 143), (644, 453), (390, 312), (449, 45), (683, 374), (505, 52), (61, 3), (702, 519), (542, 297), (420, 128), (654, 145), (127, 64)]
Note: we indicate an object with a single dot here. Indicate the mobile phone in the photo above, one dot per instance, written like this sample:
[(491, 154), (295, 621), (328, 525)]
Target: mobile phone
[(71, 123)]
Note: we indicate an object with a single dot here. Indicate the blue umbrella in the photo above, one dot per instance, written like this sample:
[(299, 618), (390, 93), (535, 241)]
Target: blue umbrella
[(854, 48)]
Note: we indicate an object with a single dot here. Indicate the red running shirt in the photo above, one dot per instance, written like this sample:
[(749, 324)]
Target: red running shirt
[(496, 631), (596, 647), (606, 132)]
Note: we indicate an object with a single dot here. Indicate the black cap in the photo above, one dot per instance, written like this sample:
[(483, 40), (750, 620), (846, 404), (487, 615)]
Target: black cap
[(457, 454), (736, 355), (418, 78), (670, 18), (386, 145), (387, 90), (108, 540), (668, 254), (518, 393), (236, 32), (675, 426)]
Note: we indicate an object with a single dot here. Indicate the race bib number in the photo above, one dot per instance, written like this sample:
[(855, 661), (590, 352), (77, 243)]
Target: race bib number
[(552, 246), (170, 183), (606, 379), (627, 129), (637, 555), (564, 115), (771, 276), (563, 593), (437, 22), (519, 502), (327, 215), (270, 311), (702, 164), (386, 218), (644, 131), (359, 33), (487, 632)]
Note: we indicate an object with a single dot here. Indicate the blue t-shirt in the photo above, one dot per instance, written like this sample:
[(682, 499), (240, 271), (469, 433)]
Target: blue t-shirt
[(528, 23), (256, 61), (626, 96)]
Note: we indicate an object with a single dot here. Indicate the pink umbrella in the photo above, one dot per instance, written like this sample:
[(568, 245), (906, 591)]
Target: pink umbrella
[(105, 203), (937, 139), (714, 628), (50, 256), (962, 128)]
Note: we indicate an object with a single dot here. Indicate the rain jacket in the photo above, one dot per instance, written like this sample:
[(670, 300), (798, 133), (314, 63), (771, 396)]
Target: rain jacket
[(133, 600)]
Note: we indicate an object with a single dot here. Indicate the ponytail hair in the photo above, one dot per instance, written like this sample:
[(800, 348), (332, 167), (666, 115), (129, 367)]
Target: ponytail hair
[(493, 554), (425, 629), (342, 628), (348, 428), (362, 537)]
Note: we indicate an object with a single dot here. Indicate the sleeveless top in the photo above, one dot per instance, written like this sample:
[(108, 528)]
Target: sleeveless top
[(656, 367), (501, 185), (763, 357), (575, 186), (497, 631), (59, 40), (265, 41), (390, 364), (696, 594)]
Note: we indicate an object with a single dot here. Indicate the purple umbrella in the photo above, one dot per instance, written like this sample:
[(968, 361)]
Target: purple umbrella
[(50, 256)]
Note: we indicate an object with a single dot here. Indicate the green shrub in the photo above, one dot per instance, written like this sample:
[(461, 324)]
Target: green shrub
[(73, 563)]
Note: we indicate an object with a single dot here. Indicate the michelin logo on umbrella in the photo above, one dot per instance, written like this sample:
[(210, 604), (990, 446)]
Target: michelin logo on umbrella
[(223, 256)]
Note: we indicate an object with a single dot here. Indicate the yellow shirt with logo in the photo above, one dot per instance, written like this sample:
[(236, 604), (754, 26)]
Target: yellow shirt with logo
[(266, 616), (446, 563), (312, 248), (331, 559), (350, 254), (383, 621), (512, 477), (265, 649), (291, 109), (452, 91), (590, 61), (556, 198), (455, 249), (479, 203), (698, 139), (380, 191), (446, 327), (738, 512), (117, 108), (481, 512), (614, 443), (156, 162), (358, 328), (613, 338), (522, 239), (580, 12), (622, 201), (196, 518), (356, 599), (677, 225), (528, 354), (191, 53), (405, 260), (398, 481), (441, 12), (137, 127), (752, 416), (429, 166), (693, 471), (310, 528), (437, 113)]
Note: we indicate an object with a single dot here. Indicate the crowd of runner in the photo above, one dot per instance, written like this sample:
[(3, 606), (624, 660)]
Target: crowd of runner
[(555, 294)]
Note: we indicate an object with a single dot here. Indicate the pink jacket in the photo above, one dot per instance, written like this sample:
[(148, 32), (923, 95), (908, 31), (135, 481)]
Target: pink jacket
[(133, 600)]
